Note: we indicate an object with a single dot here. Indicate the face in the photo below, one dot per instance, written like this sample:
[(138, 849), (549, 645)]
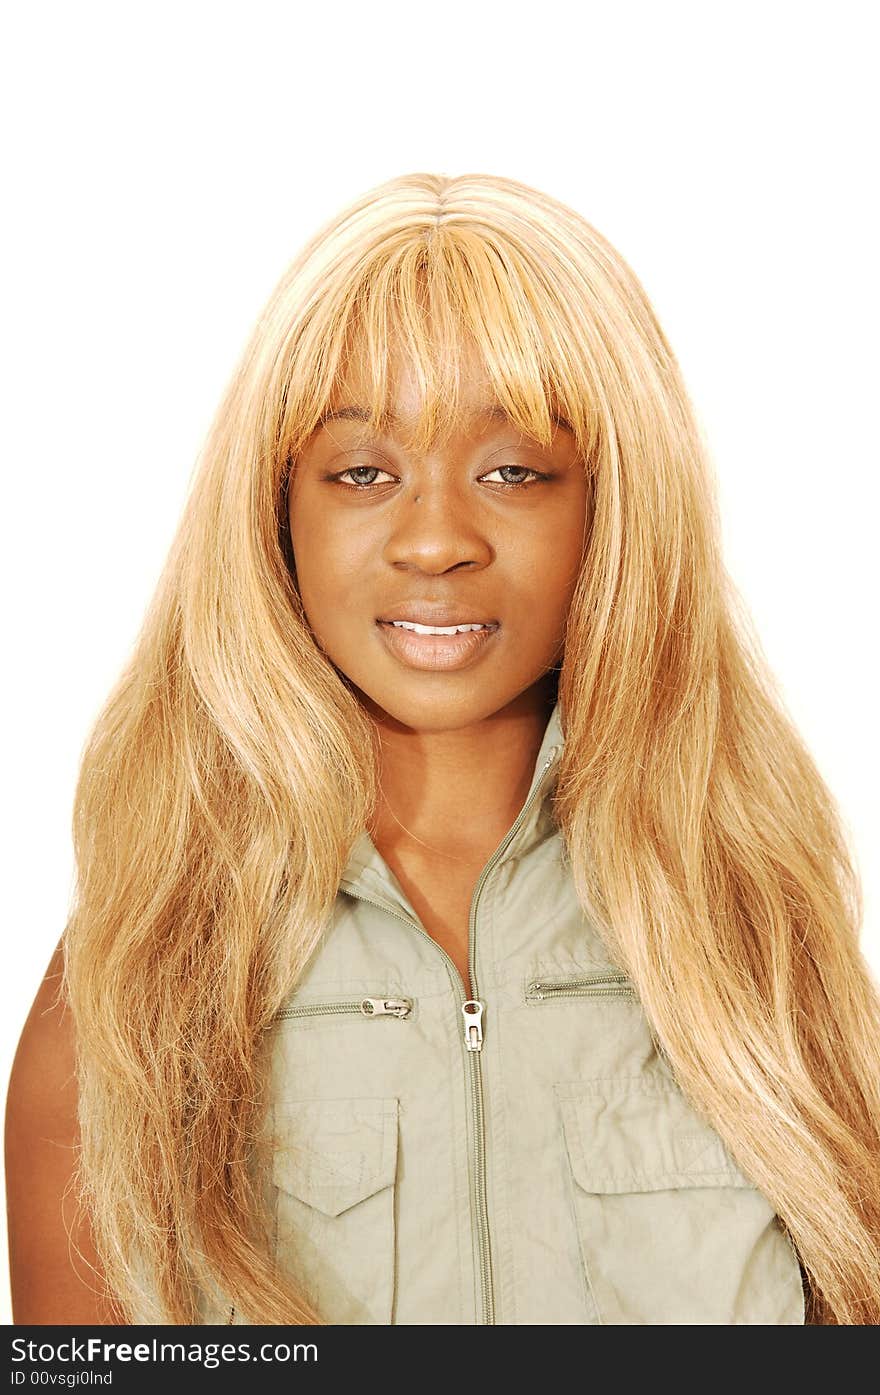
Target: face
[(486, 529)]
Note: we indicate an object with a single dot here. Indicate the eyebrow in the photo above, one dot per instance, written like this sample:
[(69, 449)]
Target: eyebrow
[(489, 412)]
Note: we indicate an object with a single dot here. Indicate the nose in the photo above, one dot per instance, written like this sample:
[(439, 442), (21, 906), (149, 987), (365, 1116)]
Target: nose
[(436, 527)]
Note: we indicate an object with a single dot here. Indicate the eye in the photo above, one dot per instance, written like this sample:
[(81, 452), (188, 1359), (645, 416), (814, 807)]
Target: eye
[(371, 470), (517, 469), (363, 477)]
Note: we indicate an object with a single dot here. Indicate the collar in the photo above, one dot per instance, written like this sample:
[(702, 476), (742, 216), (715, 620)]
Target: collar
[(368, 875)]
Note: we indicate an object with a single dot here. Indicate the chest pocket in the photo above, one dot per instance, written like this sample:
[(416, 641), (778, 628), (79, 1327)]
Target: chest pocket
[(334, 1167), (670, 1230)]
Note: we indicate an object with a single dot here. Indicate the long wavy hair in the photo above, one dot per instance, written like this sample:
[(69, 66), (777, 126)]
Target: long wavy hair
[(232, 767)]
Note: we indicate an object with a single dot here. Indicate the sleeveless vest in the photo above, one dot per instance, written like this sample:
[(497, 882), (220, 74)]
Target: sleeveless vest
[(526, 1157)]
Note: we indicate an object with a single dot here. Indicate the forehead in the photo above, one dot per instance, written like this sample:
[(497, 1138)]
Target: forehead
[(394, 394), (404, 381), (481, 414)]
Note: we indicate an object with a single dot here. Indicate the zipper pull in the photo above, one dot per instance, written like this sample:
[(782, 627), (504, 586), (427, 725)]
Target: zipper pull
[(395, 1007), (472, 1011)]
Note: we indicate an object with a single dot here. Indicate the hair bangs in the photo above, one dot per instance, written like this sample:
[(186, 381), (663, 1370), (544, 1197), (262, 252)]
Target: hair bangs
[(461, 309)]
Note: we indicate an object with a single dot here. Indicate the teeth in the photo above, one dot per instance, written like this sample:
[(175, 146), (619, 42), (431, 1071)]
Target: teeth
[(435, 629)]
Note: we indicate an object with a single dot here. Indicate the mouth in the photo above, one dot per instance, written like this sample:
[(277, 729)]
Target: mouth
[(458, 627), (437, 647)]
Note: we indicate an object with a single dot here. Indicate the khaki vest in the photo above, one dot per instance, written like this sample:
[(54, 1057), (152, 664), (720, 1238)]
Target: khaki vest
[(527, 1158)]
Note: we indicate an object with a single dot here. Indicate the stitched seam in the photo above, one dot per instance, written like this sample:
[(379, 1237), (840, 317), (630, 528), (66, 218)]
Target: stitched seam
[(635, 1180), (580, 1240), (502, 1149), (455, 1063)]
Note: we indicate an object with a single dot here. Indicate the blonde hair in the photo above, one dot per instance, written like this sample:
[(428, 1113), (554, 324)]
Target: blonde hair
[(232, 768)]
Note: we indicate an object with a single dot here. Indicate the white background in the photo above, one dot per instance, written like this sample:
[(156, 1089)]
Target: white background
[(164, 162)]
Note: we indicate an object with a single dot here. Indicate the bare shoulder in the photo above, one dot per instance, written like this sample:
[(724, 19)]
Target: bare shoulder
[(53, 1267), (42, 1082)]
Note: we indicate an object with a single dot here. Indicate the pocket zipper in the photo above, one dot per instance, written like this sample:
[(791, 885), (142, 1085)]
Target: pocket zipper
[(590, 985), (367, 1007)]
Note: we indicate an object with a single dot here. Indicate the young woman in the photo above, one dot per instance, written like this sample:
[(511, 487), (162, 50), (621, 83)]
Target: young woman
[(463, 933)]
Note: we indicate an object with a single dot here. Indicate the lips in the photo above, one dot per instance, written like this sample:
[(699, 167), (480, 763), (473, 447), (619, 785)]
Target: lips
[(454, 627), (438, 652), (428, 613)]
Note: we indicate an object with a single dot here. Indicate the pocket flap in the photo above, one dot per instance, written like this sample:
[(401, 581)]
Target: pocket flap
[(334, 1153), (640, 1135)]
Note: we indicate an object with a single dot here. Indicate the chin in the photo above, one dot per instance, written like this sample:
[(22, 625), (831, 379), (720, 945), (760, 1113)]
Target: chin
[(433, 711)]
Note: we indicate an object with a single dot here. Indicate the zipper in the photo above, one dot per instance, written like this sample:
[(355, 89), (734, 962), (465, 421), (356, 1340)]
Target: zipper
[(473, 1037), (589, 985), (368, 1007), (472, 1011)]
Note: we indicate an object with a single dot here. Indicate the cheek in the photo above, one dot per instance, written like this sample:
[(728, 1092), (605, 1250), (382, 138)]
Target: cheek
[(572, 538), (319, 550), (315, 571), (330, 572), (550, 562)]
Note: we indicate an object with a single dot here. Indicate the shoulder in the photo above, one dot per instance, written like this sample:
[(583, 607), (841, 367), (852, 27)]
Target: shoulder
[(43, 1084), (54, 1271)]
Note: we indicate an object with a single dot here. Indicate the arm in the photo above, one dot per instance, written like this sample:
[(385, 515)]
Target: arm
[(51, 1283)]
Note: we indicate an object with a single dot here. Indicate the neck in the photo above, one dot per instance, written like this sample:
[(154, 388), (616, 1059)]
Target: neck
[(447, 794)]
